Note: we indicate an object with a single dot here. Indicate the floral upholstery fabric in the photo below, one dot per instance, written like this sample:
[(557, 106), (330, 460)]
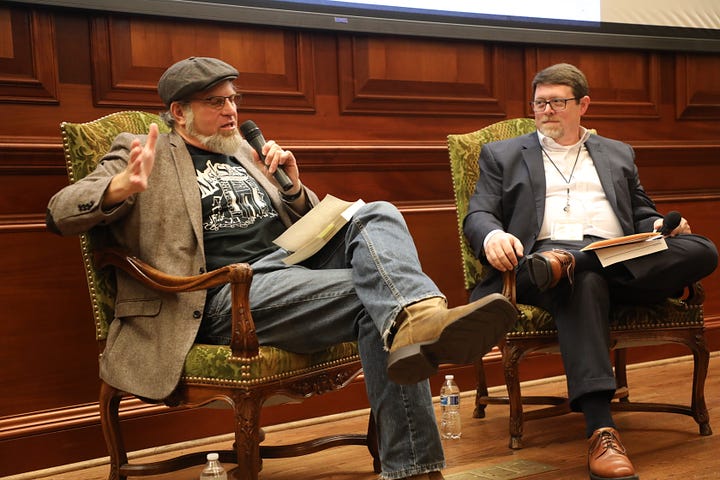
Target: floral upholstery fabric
[(84, 145), (464, 152), (212, 362)]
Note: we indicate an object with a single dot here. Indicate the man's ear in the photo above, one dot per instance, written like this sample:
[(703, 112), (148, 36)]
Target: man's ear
[(178, 112), (584, 104)]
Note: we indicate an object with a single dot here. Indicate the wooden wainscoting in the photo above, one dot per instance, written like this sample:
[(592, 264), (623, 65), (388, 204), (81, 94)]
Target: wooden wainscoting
[(366, 115)]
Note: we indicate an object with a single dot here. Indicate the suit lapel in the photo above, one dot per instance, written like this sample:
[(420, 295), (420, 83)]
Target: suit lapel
[(603, 167), (187, 179), (532, 156)]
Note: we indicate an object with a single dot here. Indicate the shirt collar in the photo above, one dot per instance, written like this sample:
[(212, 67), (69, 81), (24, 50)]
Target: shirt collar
[(549, 143)]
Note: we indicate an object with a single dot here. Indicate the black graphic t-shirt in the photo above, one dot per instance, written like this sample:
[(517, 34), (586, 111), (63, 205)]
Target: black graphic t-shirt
[(239, 221)]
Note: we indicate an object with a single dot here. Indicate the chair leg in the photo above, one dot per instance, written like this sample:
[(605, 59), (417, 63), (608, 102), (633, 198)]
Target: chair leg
[(623, 392), (247, 436), (481, 390), (511, 358), (701, 361), (109, 405)]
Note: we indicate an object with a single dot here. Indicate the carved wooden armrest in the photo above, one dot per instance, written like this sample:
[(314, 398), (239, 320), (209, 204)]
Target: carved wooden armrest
[(244, 343), (509, 286)]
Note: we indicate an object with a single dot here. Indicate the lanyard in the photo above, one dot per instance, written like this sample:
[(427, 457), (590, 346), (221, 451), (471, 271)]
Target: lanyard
[(567, 180)]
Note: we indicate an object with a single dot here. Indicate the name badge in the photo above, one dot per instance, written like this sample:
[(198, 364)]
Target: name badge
[(567, 231)]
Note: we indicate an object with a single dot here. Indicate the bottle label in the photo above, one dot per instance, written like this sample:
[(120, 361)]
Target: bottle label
[(446, 400)]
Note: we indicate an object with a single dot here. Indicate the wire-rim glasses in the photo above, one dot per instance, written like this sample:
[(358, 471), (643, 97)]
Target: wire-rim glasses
[(218, 101)]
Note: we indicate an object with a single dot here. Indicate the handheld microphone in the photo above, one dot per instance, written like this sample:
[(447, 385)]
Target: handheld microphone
[(670, 222), (255, 138)]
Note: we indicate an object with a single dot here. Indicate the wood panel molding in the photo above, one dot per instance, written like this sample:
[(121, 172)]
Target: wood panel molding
[(22, 223), (623, 84), (73, 416), (418, 162), (692, 166), (35, 155), (697, 79), (28, 70), (129, 56), (395, 75)]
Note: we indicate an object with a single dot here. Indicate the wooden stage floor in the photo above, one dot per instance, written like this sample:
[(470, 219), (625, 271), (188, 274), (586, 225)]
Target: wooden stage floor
[(661, 445)]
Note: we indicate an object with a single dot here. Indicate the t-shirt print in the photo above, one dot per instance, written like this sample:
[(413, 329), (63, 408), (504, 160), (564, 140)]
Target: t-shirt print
[(234, 197)]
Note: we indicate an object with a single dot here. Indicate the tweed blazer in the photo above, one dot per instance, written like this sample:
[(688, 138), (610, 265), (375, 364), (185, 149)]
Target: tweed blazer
[(510, 193), (152, 332)]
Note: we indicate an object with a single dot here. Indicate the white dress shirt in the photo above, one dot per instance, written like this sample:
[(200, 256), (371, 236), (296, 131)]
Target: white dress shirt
[(576, 186), (573, 191)]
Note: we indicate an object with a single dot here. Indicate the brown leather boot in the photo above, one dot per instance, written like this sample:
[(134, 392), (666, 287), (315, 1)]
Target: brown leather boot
[(427, 476), (548, 268), (607, 458), (429, 334)]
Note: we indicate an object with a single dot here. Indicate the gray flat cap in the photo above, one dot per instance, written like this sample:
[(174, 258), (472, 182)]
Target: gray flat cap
[(191, 75)]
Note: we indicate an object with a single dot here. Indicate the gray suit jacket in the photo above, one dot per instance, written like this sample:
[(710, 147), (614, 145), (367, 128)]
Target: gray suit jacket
[(152, 332), (510, 193)]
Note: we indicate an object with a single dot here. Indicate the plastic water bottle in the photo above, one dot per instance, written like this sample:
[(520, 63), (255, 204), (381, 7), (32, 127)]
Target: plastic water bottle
[(213, 469), (450, 427)]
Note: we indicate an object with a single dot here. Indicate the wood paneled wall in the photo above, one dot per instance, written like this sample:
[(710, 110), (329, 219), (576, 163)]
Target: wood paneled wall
[(367, 117)]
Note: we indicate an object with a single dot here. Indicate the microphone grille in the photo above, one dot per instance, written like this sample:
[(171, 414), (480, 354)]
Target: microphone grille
[(672, 219), (248, 128)]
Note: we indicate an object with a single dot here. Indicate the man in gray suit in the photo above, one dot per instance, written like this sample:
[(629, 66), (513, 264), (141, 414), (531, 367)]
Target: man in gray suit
[(549, 193), (199, 198)]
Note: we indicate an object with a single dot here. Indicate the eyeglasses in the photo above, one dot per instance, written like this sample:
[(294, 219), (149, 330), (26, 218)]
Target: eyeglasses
[(557, 104), (217, 102)]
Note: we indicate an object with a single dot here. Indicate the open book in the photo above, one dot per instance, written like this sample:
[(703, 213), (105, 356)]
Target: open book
[(614, 250), (309, 234)]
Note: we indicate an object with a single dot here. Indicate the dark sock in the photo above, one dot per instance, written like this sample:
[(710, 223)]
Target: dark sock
[(596, 408)]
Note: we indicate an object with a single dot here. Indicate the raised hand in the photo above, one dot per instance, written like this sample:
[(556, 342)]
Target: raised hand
[(134, 178)]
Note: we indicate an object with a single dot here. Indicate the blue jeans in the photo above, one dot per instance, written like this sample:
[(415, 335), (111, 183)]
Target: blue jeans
[(351, 290)]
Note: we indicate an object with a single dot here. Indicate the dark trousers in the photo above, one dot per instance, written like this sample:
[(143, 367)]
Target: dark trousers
[(581, 311)]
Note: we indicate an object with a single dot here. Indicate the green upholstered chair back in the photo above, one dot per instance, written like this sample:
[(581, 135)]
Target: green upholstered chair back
[(464, 151), (84, 145)]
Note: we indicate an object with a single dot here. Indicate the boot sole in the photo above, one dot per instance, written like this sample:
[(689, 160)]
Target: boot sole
[(461, 342), (540, 271)]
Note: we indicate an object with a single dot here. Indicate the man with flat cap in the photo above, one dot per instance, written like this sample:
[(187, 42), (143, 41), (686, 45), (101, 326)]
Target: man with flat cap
[(155, 192)]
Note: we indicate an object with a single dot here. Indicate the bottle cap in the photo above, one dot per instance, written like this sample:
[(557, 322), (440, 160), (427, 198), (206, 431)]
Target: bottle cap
[(212, 456), (449, 377)]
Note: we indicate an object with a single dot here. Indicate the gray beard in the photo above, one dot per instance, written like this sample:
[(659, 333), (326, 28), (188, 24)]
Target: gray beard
[(552, 132), (218, 143)]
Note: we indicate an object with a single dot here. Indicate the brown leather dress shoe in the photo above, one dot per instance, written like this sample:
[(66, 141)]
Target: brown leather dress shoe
[(548, 268), (607, 458)]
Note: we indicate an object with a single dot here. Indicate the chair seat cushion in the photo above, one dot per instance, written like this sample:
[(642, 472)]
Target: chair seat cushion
[(212, 363), (672, 312)]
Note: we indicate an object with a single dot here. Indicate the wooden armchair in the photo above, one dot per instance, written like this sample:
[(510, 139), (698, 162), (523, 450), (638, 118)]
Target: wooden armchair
[(244, 375), (673, 321)]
